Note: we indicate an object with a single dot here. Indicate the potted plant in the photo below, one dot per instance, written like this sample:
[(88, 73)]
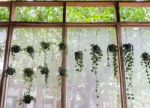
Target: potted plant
[(10, 71), (128, 56), (15, 49), (96, 54), (112, 48), (62, 71), (62, 46), (27, 99), (79, 60), (45, 45), (30, 51), (146, 63), (44, 71)]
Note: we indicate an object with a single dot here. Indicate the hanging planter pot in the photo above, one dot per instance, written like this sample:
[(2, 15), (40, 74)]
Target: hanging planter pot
[(10, 71), (62, 46), (44, 71), (62, 71), (45, 45), (27, 99), (112, 48), (96, 54), (128, 56), (79, 60), (30, 51), (15, 49), (146, 63)]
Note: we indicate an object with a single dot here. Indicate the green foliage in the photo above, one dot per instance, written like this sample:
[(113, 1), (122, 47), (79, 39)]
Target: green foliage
[(26, 99), (10, 71), (62, 71), (15, 49), (4, 14), (79, 60), (62, 46), (30, 51), (45, 45)]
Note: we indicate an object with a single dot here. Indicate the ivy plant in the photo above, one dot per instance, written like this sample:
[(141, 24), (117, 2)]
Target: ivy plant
[(45, 46), (27, 99), (62, 46), (146, 63), (15, 49), (10, 71), (96, 54), (112, 48), (79, 60), (128, 56), (30, 50)]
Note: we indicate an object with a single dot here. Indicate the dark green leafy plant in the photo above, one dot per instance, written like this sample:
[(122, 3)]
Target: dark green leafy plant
[(10, 71), (62, 71), (30, 51), (62, 46), (79, 60), (96, 54), (112, 48), (45, 71), (1, 52), (146, 63), (129, 63), (15, 49), (26, 99), (45, 45)]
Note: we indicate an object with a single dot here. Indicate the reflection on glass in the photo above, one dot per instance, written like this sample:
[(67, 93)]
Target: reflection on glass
[(137, 79), (46, 95), (81, 86)]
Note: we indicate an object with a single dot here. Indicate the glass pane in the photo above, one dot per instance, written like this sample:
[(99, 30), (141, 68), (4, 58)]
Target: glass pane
[(136, 68), (90, 14), (4, 14), (39, 14), (3, 35), (35, 48), (87, 88), (135, 14)]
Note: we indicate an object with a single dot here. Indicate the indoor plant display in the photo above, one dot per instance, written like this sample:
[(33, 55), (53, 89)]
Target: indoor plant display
[(30, 51), (112, 48), (45, 71), (146, 63), (10, 71), (62, 71), (15, 49), (128, 56), (62, 46), (79, 60), (96, 54)]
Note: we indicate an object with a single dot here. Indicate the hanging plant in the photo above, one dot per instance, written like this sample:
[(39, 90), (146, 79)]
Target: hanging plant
[(62, 46), (96, 54), (62, 71), (112, 48), (15, 49), (129, 63), (146, 63), (79, 60), (1, 52), (30, 51), (10, 71), (44, 71), (28, 75), (27, 99), (45, 46)]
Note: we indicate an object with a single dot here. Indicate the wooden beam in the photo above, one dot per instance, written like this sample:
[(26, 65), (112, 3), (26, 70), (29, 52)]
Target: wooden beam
[(5, 4), (134, 4), (120, 59)]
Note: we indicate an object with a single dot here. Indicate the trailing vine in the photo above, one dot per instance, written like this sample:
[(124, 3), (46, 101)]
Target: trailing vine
[(30, 51), (129, 63), (79, 60), (112, 48), (27, 98), (146, 63), (96, 54)]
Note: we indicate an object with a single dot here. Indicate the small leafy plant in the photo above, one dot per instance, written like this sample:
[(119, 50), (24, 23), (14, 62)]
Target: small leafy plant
[(26, 99), (79, 60), (45, 71), (28, 75), (30, 51), (10, 71), (62, 71), (146, 63), (96, 54), (129, 63), (15, 49), (45, 45), (112, 48), (62, 46), (1, 52)]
